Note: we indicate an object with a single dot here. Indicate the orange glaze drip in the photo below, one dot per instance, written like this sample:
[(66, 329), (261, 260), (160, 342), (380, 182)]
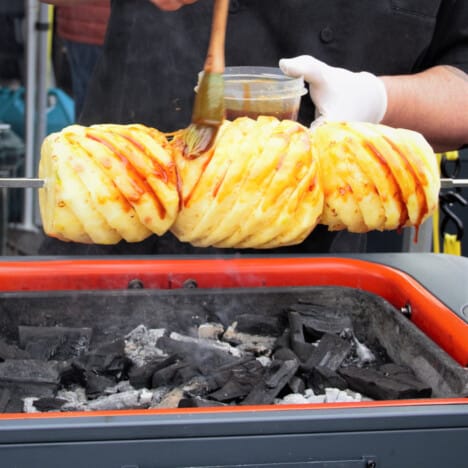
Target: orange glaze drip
[(419, 192), (404, 211), (74, 142), (162, 140), (313, 184), (136, 177), (179, 186), (219, 183), (158, 169), (188, 198)]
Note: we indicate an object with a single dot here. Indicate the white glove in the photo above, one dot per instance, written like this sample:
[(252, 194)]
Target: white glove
[(339, 94)]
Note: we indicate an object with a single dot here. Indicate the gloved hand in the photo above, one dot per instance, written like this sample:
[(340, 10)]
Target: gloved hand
[(339, 94)]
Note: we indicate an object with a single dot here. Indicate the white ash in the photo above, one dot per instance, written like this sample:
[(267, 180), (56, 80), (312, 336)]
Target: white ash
[(195, 385), (247, 342), (122, 386), (208, 344), (170, 399), (133, 399), (28, 405), (130, 399), (210, 331), (75, 399), (121, 397), (140, 344), (265, 361), (364, 354), (331, 395)]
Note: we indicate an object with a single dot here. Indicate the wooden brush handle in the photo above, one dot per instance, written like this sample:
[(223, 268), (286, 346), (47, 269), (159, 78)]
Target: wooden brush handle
[(215, 57)]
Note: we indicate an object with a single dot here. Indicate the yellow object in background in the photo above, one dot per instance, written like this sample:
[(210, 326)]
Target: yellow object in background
[(452, 245), (449, 155)]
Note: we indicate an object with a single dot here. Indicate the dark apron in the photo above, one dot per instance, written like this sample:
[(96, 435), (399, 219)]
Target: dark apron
[(152, 58)]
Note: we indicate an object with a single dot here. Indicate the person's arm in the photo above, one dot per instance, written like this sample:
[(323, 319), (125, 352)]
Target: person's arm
[(433, 102)]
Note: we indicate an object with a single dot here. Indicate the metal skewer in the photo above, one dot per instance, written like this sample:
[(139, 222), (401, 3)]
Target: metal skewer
[(21, 182), (453, 183), (24, 182)]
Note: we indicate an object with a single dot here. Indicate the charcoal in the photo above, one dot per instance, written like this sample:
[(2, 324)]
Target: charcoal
[(29, 371), (330, 352), (164, 376), (319, 319), (296, 385), (185, 373), (283, 341), (49, 404), (96, 384), (299, 345), (204, 357), (322, 377), (58, 343), (27, 378), (255, 324), (395, 370), (219, 376), (247, 343), (242, 379), (142, 376), (375, 384), (197, 402), (108, 359), (285, 354), (176, 374), (401, 373), (11, 351), (5, 398), (44, 348), (274, 381), (230, 391), (72, 375)]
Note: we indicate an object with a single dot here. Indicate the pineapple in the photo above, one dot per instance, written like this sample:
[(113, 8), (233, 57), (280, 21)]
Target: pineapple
[(265, 183), (105, 183), (375, 177), (258, 188)]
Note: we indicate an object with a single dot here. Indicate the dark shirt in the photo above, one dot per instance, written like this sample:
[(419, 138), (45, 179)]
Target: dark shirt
[(152, 58)]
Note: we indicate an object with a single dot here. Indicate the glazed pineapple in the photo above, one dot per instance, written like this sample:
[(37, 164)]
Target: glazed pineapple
[(258, 188), (105, 183), (375, 177), (265, 183)]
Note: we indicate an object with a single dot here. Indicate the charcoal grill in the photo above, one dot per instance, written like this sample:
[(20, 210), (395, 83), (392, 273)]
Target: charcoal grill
[(427, 292)]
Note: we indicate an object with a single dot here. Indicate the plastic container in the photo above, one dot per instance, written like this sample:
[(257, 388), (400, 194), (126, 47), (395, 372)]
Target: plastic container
[(253, 91)]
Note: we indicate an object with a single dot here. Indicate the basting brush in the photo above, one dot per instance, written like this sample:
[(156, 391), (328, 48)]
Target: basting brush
[(209, 110)]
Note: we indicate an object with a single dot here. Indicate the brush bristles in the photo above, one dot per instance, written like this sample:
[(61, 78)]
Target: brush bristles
[(199, 139)]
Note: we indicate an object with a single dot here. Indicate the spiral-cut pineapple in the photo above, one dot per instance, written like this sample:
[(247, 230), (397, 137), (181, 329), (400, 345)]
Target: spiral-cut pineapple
[(258, 188), (266, 183), (375, 177), (105, 183)]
